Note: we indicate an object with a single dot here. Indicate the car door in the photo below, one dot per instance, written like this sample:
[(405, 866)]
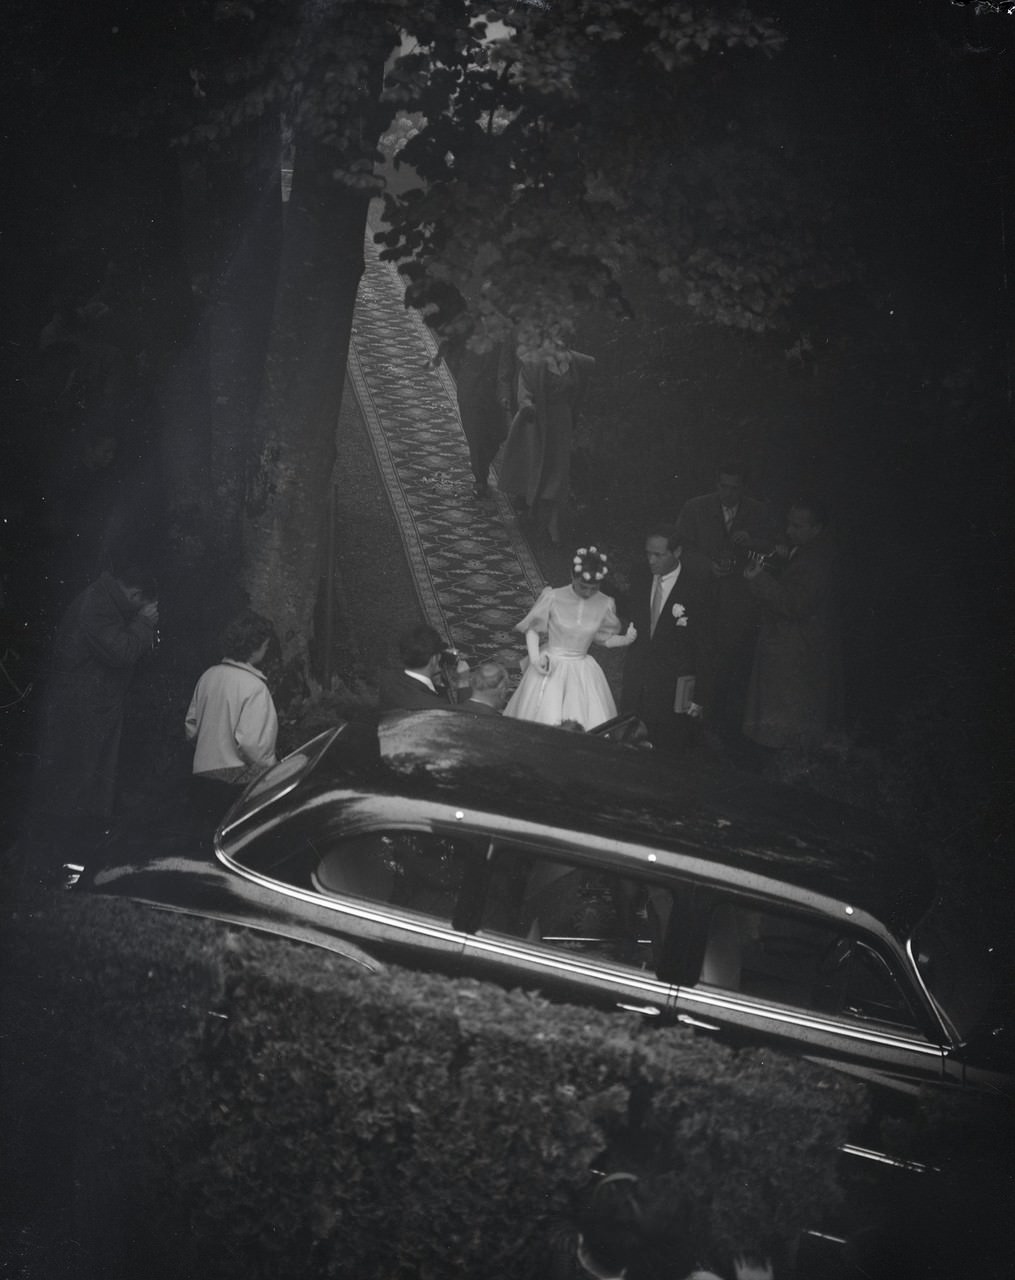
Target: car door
[(575, 928), (767, 975)]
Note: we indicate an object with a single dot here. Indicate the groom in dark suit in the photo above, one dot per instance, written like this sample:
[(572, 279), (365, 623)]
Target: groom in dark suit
[(667, 607)]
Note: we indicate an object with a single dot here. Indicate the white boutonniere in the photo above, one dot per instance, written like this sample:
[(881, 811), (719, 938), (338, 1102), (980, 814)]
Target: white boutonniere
[(680, 614)]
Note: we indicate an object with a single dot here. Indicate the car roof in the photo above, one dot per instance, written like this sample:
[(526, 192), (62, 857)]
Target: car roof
[(578, 782)]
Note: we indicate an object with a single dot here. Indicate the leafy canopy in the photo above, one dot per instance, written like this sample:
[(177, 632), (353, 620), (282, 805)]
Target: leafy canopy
[(558, 145)]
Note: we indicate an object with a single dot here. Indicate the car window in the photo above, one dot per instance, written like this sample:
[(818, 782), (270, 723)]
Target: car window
[(558, 903), (800, 961), (415, 870)]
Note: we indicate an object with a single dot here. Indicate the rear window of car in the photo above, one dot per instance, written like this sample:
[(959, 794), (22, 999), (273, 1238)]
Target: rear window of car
[(801, 961)]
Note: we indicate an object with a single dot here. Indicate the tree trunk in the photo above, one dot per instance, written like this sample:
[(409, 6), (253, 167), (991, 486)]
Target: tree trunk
[(231, 232), (246, 199), (183, 394), (322, 262)]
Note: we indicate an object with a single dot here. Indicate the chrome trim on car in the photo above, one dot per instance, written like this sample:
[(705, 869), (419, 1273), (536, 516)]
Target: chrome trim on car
[(688, 1021), (955, 1040), (243, 809), (810, 1021), (559, 961), (879, 1157), (348, 905)]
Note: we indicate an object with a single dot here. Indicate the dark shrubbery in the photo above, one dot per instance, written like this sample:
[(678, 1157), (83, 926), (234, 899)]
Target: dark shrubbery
[(220, 1104)]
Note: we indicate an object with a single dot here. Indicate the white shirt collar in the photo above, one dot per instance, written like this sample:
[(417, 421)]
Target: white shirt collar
[(418, 675), (667, 580)]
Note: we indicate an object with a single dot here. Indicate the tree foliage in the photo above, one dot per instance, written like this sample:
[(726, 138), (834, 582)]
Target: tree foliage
[(560, 145)]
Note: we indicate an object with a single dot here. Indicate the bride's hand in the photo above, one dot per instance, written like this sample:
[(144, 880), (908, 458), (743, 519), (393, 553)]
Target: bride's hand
[(622, 641), (543, 664)]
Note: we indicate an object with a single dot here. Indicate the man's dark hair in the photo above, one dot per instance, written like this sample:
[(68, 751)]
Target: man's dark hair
[(627, 1228), (816, 507), (244, 635), (418, 645), (732, 467), (667, 531)]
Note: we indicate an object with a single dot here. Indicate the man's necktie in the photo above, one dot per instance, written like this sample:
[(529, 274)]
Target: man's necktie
[(656, 607)]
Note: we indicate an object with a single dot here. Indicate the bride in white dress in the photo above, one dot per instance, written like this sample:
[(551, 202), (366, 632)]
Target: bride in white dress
[(561, 681)]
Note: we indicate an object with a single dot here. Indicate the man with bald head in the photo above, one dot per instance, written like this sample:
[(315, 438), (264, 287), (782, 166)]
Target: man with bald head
[(488, 690)]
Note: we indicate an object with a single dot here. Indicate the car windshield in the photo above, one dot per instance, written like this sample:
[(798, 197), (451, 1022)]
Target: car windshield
[(957, 970)]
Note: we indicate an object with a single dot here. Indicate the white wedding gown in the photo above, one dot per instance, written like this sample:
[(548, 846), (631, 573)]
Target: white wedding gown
[(575, 687)]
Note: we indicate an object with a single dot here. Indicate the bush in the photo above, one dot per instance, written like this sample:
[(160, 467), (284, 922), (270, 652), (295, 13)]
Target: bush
[(234, 1105)]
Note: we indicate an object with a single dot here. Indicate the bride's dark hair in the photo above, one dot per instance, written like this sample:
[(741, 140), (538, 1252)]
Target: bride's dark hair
[(589, 564)]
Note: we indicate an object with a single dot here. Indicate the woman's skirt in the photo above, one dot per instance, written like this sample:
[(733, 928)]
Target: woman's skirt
[(574, 689)]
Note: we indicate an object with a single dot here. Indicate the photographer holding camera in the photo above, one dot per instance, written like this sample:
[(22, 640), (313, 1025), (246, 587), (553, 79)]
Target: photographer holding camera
[(105, 632), (434, 676)]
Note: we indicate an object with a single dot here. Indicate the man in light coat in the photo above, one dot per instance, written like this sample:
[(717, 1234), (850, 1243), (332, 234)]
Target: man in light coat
[(231, 718)]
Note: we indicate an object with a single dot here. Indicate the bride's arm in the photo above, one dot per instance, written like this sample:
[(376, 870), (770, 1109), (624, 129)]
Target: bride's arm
[(541, 661)]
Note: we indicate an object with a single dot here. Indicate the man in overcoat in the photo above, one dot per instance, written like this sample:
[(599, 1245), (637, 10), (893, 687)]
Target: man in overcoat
[(717, 530), (105, 632), (795, 692), (667, 607)]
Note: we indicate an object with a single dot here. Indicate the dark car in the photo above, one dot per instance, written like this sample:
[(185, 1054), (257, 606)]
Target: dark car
[(600, 874)]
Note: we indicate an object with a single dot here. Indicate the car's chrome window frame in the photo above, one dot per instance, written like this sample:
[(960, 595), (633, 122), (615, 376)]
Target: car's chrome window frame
[(362, 908), (714, 1000), (925, 1013), (260, 793)]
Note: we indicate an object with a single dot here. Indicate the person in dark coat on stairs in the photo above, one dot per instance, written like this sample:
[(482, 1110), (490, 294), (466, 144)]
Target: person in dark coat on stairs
[(484, 389)]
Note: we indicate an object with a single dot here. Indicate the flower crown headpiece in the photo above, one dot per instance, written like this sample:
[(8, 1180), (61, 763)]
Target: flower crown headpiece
[(589, 564)]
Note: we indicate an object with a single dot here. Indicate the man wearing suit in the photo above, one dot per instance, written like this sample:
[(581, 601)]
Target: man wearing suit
[(667, 608), (717, 531), (488, 690), (414, 688)]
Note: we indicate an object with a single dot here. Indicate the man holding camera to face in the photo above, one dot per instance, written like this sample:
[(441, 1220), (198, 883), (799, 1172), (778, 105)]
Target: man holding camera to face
[(432, 676), (105, 632)]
